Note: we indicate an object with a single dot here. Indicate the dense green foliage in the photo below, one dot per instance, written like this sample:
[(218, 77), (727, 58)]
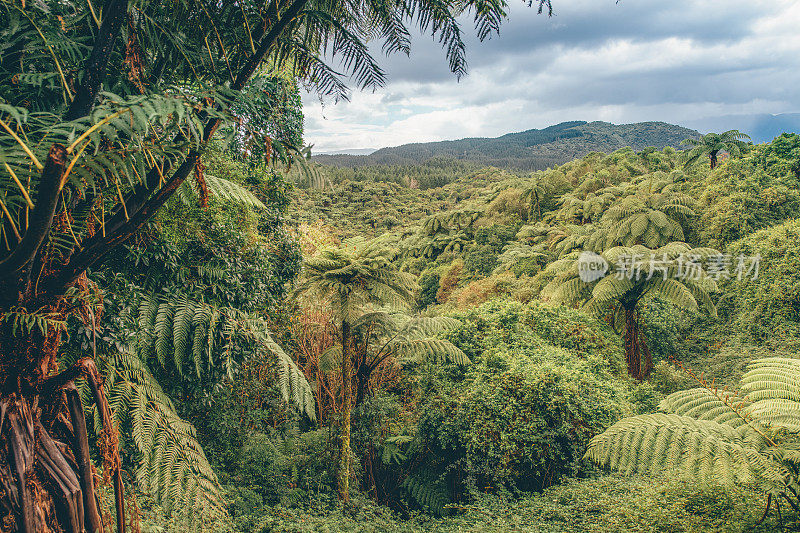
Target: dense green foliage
[(475, 401), (521, 415), (403, 341), (543, 380)]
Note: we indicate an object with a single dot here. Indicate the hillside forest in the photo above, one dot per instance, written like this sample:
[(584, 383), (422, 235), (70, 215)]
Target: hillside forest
[(202, 329)]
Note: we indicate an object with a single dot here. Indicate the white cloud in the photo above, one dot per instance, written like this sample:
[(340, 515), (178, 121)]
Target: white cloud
[(644, 60)]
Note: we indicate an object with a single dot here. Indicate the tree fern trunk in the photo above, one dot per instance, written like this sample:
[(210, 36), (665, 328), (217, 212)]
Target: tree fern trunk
[(343, 476), (46, 480), (647, 363), (632, 354), (713, 157)]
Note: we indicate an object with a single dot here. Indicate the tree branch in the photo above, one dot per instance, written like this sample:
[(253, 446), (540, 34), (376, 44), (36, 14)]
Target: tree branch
[(266, 43), (42, 215), (95, 70), (97, 250), (99, 247)]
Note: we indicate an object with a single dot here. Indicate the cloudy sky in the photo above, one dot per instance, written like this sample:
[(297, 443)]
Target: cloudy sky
[(636, 60)]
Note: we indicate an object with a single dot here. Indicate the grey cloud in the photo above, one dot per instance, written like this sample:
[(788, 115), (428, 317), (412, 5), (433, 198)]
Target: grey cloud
[(581, 26)]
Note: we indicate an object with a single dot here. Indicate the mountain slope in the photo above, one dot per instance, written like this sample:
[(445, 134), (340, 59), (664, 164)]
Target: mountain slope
[(527, 150)]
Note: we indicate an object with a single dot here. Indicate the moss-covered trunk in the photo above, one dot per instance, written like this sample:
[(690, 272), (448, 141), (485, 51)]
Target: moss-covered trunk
[(343, 474)]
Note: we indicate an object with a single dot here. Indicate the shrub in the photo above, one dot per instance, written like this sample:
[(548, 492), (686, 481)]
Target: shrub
[(480, 260), (765, 310), (429, 288), (496, 235), (450, 281), (285, 469), (518, 422), (260, 467), (661, 325), (512, 326), (508, 202), (479, 291)]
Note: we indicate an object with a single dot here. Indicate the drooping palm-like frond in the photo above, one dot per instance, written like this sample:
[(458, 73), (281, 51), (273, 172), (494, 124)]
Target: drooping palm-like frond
[(675, 272), (350, 280), (408, 339), (716, 436), (516, 253), (562, 240), (196, 338), (428, 491), (171, 465), (710, 145), (219, 188), (653, 219), (535, 194)]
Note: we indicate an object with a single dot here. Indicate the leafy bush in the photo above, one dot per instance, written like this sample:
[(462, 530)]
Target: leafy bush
[(260, 467), (765, 310), (449, 281), (606, 504), (661, 325), (512, 326), (521, 417), (480, 260), (429, 287), (481, 290), (750, 194), (286, 469)]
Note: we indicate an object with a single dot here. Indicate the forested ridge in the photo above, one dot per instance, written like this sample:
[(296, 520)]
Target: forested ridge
[(203, 330), (535, 149)]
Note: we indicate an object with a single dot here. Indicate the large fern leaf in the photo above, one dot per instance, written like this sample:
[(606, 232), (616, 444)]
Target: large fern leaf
[(171, 465), (717, 436)]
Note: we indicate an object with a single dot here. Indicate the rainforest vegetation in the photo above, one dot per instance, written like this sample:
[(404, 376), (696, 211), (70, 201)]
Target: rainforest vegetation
[(202, 330)]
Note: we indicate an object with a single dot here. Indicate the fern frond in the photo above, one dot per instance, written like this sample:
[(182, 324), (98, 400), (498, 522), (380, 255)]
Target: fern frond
[(703, 449), (171, 464), (428, 491), (700, 403)]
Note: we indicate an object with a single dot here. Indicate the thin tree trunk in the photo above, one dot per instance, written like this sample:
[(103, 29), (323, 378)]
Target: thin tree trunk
[(632, 355), (343, 476), (713, 157)]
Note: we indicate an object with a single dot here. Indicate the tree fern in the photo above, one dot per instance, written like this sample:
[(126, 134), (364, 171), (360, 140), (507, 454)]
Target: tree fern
[(716, 436), (407, 339), (641, 272), (711, 144)]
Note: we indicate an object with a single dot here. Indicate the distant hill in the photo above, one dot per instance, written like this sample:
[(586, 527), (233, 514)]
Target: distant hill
[(526, 150), (760, 127)]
